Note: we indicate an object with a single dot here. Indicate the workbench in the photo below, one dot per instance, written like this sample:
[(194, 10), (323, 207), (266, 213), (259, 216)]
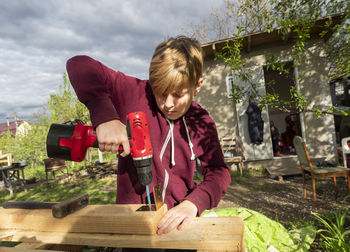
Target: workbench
[(117, 226), (13, 174)]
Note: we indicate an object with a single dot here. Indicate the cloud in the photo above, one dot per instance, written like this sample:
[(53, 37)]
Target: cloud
[(37, 37)]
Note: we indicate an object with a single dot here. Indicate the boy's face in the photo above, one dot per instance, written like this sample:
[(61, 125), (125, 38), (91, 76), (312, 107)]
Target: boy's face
[(176, 103)]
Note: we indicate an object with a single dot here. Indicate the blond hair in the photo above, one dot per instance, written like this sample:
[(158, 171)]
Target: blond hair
[(176, 63)]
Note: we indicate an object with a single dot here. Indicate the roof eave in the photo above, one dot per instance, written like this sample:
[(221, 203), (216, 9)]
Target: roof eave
[(260, 38)]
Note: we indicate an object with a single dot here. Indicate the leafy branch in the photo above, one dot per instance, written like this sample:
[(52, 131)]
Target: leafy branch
[(298, 25)]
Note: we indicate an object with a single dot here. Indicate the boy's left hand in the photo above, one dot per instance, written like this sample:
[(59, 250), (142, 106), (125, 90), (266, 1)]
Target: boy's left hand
[(177, 217)]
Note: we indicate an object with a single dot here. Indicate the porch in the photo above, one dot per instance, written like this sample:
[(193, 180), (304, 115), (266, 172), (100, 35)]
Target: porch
[(278, 166)]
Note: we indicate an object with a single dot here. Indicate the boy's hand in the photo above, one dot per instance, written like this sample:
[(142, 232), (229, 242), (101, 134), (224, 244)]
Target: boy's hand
[(110, 135), (178, 217)]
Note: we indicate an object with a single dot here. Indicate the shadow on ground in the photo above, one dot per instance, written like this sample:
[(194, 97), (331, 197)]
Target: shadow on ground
[(283, 200)]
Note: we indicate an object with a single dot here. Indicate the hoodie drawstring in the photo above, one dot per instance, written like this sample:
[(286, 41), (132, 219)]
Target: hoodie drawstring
[(171, 136), (189, 139)]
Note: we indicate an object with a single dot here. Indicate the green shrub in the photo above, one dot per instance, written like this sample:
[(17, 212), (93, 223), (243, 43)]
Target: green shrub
[(335, 236)]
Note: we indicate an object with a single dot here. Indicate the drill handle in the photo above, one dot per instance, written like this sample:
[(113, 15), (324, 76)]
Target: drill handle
[(120, 149), (95, 145)]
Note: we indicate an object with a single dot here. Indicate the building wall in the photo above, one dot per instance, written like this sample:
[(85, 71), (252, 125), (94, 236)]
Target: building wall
[(213, 97), (319, 132), (23, 128)]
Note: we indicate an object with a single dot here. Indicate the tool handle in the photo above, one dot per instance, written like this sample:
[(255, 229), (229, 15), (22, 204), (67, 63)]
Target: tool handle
[(95, 145), (69, 206), (28, 204), (120, 149)]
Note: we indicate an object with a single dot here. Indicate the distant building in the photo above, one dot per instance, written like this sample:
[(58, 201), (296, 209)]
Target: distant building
[(15, 127)]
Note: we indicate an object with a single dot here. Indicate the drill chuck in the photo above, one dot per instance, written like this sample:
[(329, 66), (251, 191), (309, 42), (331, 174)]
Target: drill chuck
[(144, 169)]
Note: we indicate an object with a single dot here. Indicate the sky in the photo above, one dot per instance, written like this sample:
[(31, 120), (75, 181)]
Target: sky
[(37, 37)]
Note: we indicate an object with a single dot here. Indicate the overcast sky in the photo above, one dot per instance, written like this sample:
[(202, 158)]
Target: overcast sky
[(38, 36)]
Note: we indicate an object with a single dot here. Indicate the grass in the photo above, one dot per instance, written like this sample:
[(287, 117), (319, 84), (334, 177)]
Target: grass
[(236, 177), (38, 171), (101, 191)]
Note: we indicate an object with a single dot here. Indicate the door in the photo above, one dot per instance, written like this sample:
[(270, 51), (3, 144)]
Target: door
[(254, 152)]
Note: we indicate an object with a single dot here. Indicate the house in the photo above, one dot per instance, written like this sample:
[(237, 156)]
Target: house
[(15, 127), (310, 77)]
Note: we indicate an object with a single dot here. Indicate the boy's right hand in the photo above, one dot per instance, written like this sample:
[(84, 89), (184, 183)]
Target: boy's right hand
[(110, 135)]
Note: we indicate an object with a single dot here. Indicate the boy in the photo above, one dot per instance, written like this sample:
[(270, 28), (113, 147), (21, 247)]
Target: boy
[(180, 129)]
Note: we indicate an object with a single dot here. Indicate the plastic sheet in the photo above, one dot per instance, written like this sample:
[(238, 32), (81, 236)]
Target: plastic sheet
[(264, 234)]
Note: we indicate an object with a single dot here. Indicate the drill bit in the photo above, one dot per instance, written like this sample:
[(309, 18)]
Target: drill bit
[(148, 196)]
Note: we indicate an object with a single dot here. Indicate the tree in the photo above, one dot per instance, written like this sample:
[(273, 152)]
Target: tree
[(31, 146), (303, 13), (28, 146), (250, 14), (65, 105)]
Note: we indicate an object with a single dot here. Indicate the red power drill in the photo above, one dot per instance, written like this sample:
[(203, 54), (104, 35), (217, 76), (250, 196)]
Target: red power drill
[(70, 142)]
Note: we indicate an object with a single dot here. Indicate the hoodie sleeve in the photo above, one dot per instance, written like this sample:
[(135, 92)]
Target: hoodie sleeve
[(216, 173), (92, 82)]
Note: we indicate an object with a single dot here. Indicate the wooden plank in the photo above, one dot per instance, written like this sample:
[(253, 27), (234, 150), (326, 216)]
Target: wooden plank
[(31, 245), (14, 249), (120, 219), (222, 233), (7, 236)]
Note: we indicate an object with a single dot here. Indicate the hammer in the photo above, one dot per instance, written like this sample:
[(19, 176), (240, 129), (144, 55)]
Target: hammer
[(59, 209)]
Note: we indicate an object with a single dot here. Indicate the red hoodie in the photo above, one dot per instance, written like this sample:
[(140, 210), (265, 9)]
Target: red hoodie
[(112, 95)]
